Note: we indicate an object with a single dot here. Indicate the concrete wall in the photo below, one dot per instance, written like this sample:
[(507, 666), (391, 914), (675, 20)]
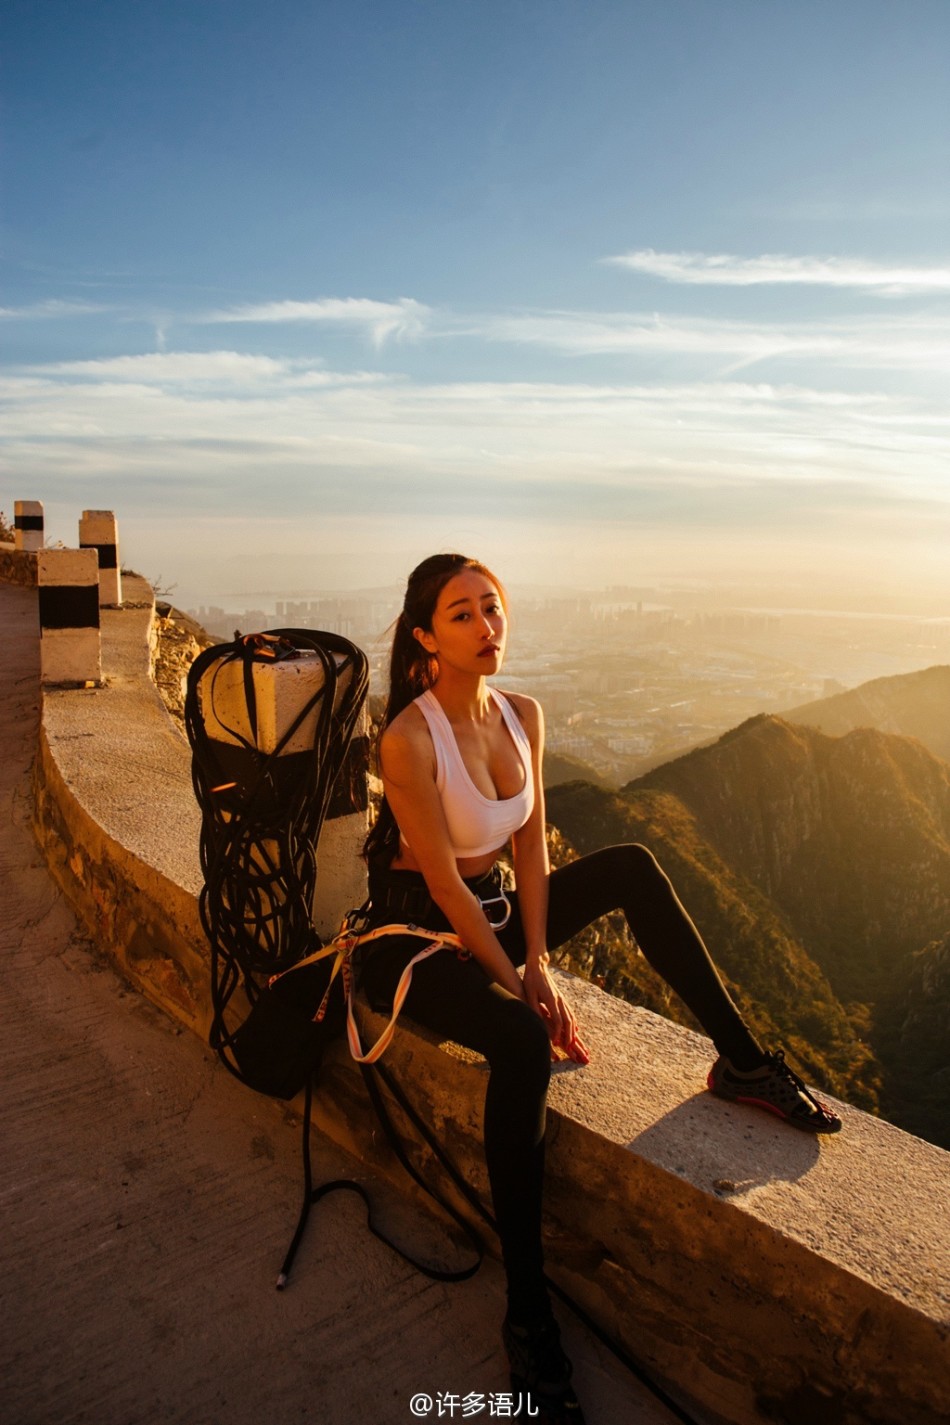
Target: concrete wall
[(763, 1275), (760, 1275)]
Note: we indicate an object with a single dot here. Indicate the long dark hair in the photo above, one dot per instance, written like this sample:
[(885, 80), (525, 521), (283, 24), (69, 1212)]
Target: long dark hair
[(411, 669)]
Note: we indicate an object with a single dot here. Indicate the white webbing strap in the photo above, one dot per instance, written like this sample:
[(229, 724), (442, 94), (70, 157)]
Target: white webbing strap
[(438, 940), (337, 947), (342, 946)]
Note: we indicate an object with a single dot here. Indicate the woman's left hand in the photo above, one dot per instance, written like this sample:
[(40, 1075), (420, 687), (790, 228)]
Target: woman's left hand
[(546, 1000)]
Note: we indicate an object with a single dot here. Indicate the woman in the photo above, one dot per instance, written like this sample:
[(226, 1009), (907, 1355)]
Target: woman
[(461, 770)]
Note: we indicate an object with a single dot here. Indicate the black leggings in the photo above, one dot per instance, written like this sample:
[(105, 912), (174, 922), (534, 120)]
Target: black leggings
[(457, 1000)]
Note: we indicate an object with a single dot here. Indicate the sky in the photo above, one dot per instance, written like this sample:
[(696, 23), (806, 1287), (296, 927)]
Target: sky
[(602, 293)]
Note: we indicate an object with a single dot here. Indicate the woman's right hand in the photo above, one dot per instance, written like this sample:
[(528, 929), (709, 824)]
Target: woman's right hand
[(544, 997)]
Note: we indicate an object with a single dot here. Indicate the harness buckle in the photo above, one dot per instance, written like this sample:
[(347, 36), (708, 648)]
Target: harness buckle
[(502, 900), (356, 921)]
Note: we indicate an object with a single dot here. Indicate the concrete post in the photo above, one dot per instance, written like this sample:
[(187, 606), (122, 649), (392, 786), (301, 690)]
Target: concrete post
[(281, 690), (28, 524), (68, 583), (98, 530)]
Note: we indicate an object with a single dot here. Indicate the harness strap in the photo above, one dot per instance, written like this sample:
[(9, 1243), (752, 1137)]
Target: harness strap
[(444, 941), (342, 946)]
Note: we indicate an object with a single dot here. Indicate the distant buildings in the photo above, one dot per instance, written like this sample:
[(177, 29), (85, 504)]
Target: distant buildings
[(628, 680)]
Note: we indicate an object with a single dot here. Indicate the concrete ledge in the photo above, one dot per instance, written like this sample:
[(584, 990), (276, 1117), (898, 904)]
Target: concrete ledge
[(774, 1277), (17, 566), (763, 1275), (116, 818)]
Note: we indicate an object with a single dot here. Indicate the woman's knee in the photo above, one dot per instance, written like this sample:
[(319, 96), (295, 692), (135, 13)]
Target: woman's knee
[(520, 1045), (630, 860)]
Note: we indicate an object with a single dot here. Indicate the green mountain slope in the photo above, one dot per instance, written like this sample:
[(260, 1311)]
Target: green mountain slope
[(914, 1036), (818, 871), (561, 767), (782, 993), (849, 837), (913, 704)]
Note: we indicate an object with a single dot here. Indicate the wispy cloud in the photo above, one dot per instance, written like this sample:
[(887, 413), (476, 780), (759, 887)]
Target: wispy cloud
[(618, 421), (52, 307), (862, 343), (726, 270), (597, 464), (165, 367), (284, 416), (404, 319), (236, 372)]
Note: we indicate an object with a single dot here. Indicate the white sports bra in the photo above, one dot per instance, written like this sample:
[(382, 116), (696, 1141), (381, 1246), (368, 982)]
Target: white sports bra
[(477, 824)]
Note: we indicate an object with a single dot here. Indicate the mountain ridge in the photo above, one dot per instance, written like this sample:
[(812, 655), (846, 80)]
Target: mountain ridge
[(832, 830), (915, 704), (817, 868)]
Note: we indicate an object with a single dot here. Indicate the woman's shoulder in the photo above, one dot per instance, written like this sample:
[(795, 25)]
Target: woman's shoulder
[(528, 710), (407, 736)]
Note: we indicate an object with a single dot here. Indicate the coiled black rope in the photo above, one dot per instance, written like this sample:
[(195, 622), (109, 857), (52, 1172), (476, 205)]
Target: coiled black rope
[(261, 816), (262, 813)]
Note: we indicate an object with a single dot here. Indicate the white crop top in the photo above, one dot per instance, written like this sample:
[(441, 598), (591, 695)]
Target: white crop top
[(477, 824)]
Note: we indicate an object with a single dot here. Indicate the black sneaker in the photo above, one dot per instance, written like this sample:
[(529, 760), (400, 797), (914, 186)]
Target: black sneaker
[(541, 1372), (774, 1087)]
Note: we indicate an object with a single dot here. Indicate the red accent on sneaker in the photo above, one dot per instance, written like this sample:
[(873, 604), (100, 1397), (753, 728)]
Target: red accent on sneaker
[(762, 1103)]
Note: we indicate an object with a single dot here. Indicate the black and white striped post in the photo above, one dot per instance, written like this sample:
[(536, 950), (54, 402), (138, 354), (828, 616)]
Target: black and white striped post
[(98, 530), (28, 524), (68, 584)]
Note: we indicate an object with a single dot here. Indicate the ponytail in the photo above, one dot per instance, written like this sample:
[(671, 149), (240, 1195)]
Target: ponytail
[(411, 671)]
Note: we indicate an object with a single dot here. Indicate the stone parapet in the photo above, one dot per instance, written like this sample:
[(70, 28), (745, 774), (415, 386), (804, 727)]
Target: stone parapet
[(759, 1274), (117, 820), (763, 1275)]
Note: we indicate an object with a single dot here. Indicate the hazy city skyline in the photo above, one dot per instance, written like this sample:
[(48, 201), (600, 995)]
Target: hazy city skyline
[(603, 294)]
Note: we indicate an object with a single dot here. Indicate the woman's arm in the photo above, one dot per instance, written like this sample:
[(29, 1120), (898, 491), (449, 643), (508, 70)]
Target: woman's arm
[(532, 869), (407, 764), (529, 845)]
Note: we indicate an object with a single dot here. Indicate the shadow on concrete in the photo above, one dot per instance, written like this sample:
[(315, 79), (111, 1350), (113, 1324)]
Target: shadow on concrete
[(736, 1148)]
